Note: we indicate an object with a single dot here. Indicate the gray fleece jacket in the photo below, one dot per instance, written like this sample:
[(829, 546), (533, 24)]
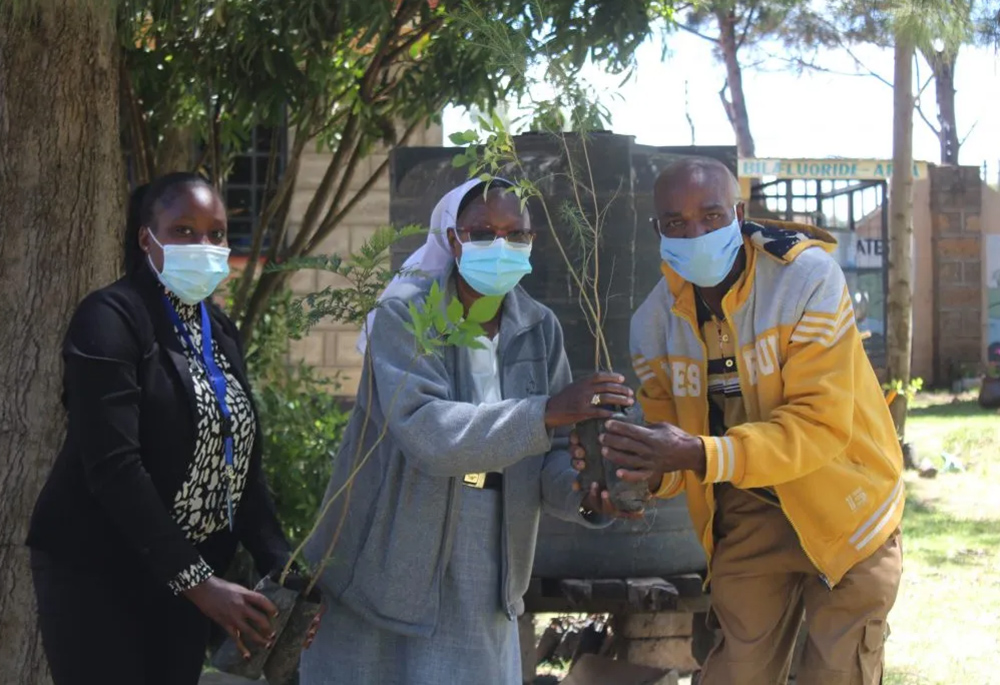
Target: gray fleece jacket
[(397, 518)]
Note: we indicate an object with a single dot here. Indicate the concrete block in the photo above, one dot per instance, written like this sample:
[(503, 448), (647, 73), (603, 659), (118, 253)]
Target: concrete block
[(950, 321), (659, 624), (338, 242), (347, 379), (297, 211), (972, 272), (359, 235), (950, 273), (960, 296), (309, 349), (972, 321), (959, 248), (303, 282), (312, 169), (328, 279), (666, 652), (346, 350), (947, 224), (372, 210), (597, 670)]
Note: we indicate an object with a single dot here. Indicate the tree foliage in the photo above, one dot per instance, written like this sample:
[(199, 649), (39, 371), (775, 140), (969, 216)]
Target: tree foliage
[(737, 27), (346, 76)]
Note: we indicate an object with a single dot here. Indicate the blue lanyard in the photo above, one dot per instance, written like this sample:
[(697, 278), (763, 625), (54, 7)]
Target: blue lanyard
[(218, 382)]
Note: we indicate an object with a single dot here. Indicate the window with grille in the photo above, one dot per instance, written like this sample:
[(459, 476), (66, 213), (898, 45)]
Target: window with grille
[(246, 188)]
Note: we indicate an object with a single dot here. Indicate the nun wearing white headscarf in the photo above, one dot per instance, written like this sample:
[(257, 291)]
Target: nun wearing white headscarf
[(446, 465)]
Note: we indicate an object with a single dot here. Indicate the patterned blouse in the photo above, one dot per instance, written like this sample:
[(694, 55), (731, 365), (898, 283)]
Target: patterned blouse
[(199, 506)]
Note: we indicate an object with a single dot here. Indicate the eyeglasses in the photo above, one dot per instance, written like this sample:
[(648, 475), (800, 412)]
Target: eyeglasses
[(488, 236)]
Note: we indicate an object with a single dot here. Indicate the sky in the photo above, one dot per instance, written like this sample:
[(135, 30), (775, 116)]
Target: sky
[(792, 115)]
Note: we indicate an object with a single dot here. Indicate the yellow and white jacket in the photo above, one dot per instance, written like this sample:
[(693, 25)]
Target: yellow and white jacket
[(818, 432)]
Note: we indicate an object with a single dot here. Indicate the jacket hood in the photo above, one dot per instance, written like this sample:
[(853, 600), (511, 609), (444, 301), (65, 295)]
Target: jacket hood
[(785, 240)]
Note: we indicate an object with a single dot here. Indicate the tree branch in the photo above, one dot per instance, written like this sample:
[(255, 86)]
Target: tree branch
[(415, 36), (343, 185), (270, 216), (746, 27), (142, 146), (845, 46), (726, 104), (333, 221), (805, 64), (310, 222), (927, 121), (693, 32), (916, 98), (971, 129), (406, 11), (687, 111)]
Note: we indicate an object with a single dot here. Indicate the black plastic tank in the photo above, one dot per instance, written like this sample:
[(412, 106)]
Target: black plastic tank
[(663, 543)]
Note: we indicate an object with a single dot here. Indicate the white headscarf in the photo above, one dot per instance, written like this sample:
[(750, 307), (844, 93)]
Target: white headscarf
[(434, 258)]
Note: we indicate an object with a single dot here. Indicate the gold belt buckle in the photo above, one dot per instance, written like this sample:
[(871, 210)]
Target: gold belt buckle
[(475, 480)]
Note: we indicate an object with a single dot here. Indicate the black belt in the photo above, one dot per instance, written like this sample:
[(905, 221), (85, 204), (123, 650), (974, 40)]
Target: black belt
[(480, 481)]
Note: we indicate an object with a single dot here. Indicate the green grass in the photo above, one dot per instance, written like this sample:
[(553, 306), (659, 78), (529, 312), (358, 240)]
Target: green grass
[(946, 622)]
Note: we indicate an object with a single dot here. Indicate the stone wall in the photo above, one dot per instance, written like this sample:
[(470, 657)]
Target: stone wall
[(330, 346), (956, 239)]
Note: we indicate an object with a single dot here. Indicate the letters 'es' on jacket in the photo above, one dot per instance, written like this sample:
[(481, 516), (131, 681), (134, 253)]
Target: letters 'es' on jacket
[(818, 428)]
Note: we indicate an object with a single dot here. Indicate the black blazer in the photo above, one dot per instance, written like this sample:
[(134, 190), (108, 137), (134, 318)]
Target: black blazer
[(131, 436)]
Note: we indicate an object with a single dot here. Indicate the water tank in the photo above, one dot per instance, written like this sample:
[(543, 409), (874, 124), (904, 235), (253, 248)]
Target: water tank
[(662, 543)]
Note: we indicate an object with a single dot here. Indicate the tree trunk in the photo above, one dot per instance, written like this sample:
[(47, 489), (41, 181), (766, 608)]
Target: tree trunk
[(736, 106), (899, 300), (175, 151), (60, 211), (943, 66)]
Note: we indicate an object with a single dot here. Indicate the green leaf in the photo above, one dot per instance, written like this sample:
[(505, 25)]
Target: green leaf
[(455, 310), (484, 309), (457, 138), (434, 297), (419, 325), (440, 322)]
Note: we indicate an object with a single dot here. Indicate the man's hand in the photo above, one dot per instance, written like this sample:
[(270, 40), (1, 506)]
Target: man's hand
[(599, 502), (645, 453)]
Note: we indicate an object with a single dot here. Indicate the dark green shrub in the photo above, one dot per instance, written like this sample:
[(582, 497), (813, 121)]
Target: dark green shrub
[(301, 416)]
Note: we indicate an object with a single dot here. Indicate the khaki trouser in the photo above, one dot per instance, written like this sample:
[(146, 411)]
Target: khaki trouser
[(762, 582)]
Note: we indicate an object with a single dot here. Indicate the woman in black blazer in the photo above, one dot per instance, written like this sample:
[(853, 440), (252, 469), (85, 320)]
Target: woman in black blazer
[(160, 474)]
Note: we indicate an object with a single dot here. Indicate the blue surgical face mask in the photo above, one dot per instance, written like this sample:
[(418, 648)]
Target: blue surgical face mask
[(192, 272), (707, 259), (494, 269)]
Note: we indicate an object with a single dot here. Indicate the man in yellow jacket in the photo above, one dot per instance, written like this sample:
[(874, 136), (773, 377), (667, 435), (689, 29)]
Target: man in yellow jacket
[(764, 409)]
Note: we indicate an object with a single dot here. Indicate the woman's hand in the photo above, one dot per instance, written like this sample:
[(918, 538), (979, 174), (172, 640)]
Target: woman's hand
[(314, 626), (243, 614), (576, 402), (599, 502)]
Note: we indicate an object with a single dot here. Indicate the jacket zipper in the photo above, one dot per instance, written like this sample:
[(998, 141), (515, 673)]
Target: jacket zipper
[(704, 385), (504, 530), (740, 372)]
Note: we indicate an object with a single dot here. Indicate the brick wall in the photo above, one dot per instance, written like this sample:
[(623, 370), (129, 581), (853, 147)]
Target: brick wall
[(330, 347), (956, 206)]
